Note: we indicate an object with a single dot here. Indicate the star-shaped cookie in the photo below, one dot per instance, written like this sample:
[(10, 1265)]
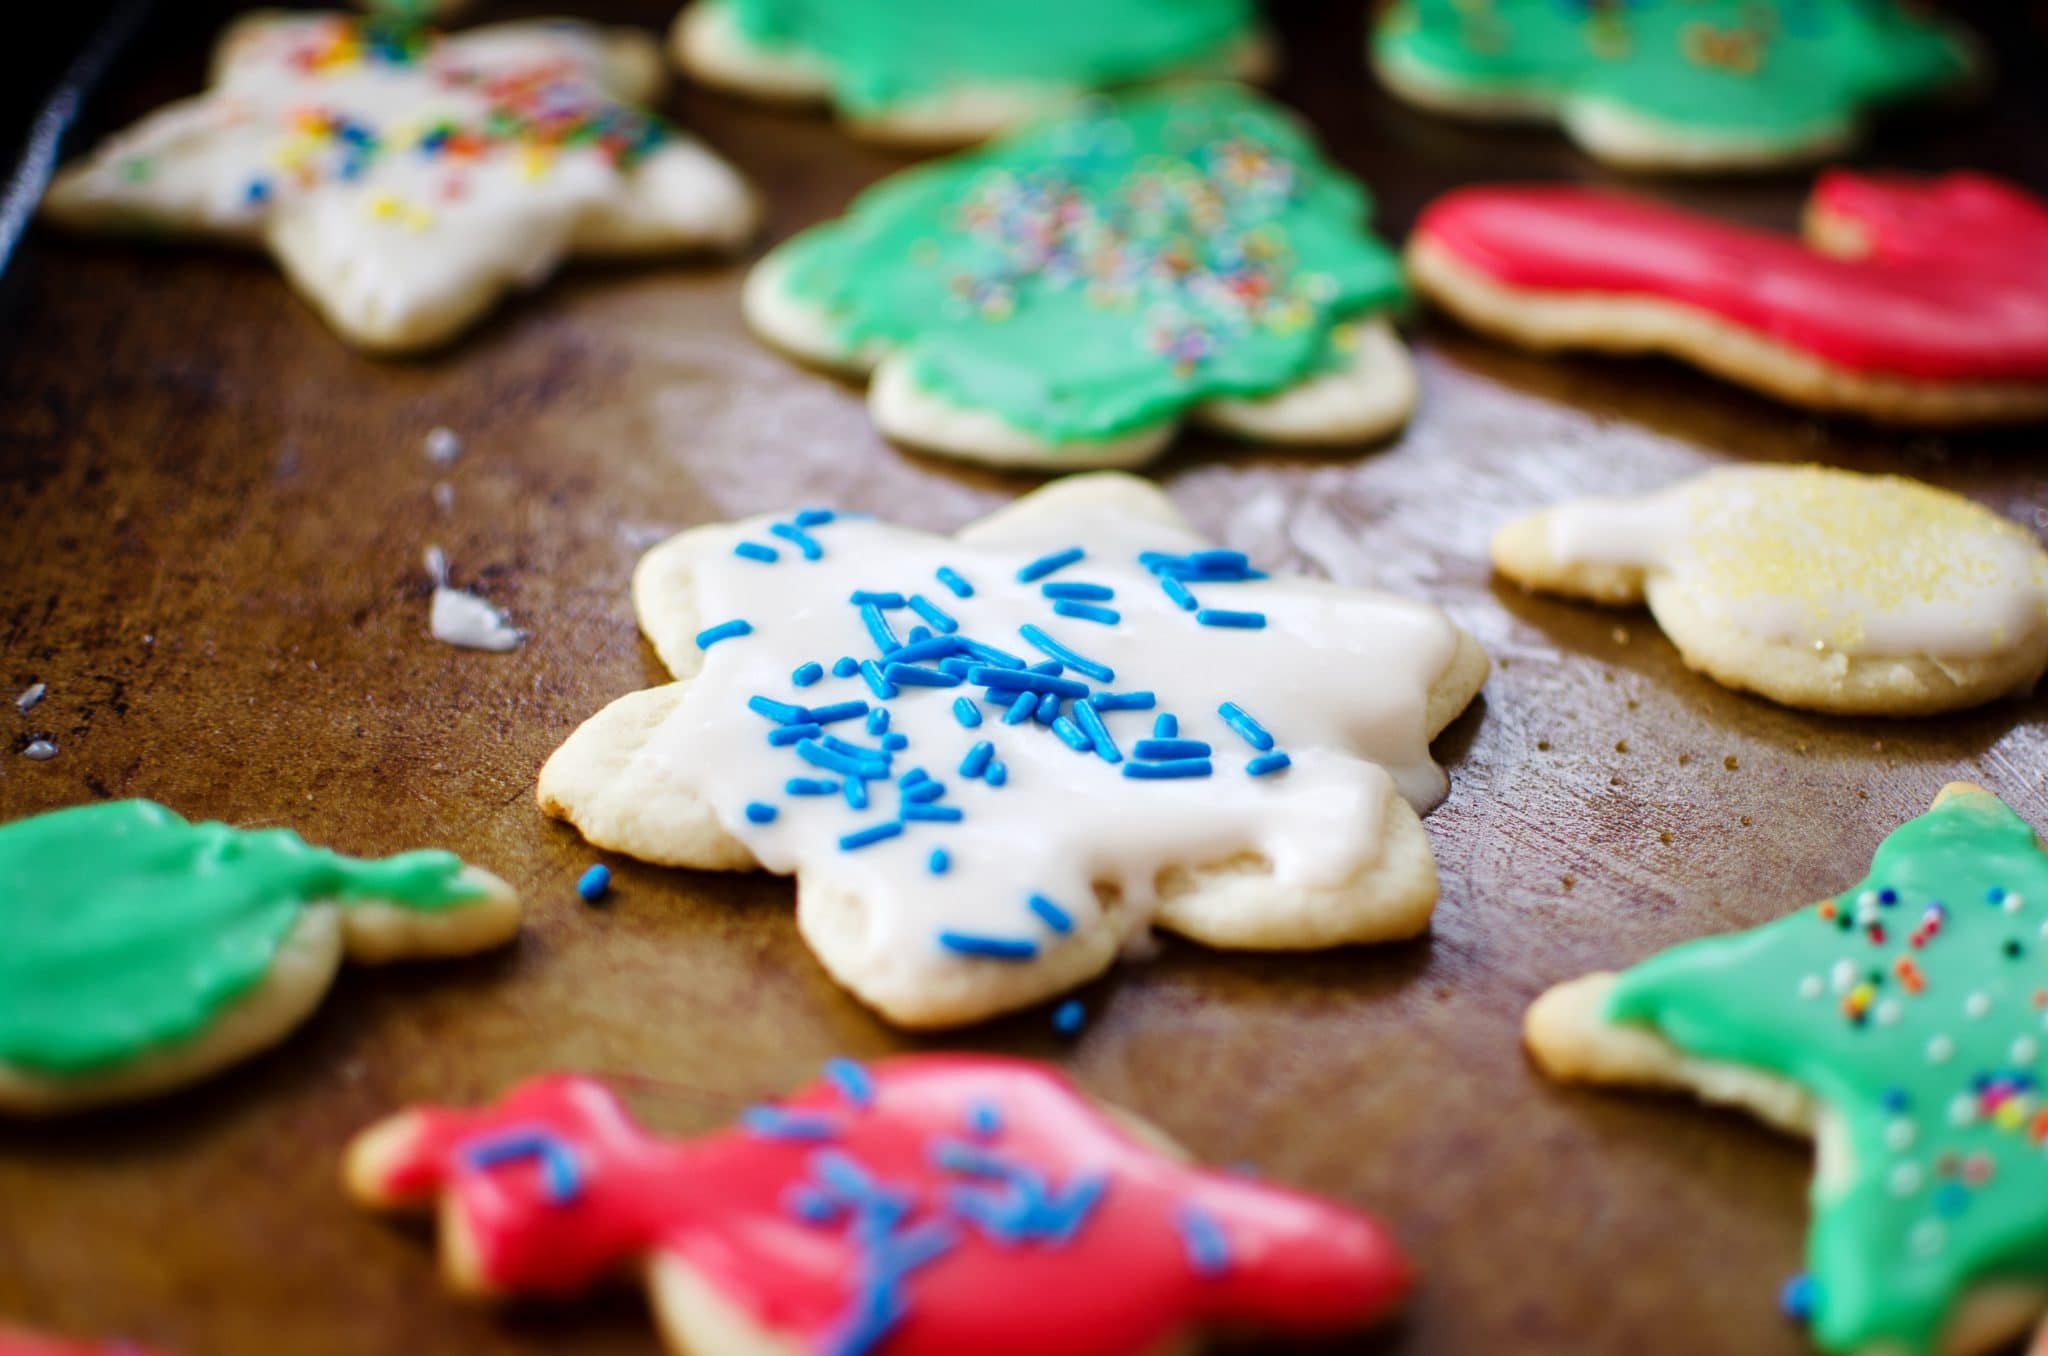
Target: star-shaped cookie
[(953, 71), (993, 760), (1705, 85), (924, 1206), (405, 180), (1901, 1023), (1067, 296)]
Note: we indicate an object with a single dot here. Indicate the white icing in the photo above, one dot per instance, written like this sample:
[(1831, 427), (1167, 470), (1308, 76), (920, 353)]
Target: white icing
[(1339, 677), (443, 446), (465, 620), (408, 244), (30, 696), (1864, 565)]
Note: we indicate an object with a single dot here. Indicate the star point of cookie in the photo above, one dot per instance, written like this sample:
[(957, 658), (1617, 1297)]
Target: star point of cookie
[(1699, 85), (921, 1206), (1901, 1021), (1068, 296), (991, 760), (1818, 588), (405, 180)]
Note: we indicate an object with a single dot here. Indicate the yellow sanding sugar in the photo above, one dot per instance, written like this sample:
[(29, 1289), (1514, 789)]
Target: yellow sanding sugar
[(1834, 544)]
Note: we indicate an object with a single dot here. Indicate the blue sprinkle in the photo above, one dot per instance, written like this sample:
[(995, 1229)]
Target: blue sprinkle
[(810, 786), (878, 720), (791, 734), (939, 861), (1165, 725), (893, 741), (1242, 621), (856, 792), (866, 597), (937, 814), (852, 1080), (1012, 680), (783, 713), (994, 948), (561, 1176), (1079, 592), (822, 755), (1268, 762), (797, 537), (1123, 701), (844, 667), (1054, 917), (984, 1121), (977, 759), (879, 629), (814, 517), (1887, 897), (846, 746), (1038, 639), (711, 635), (913, 777), (916, 675), (1178, 591), (872, 834), (1071, 735), (753, 550), (806, 673), (877, 684), (1798, 1297), (952, 580), (919, 634), (257, 191), (989, 654), (1951, 1199), (1068, 1016), (1995, 895), (1088, 612), (1021, 709), (924, 791), (593, 883), (1896, 1101), (838, 711), (996, 775), (811, 1205), (1048, 709), (769, 1122), (957, 667), (1045, 565), (1208, 1250), (760, 812), (1240, 720), (1098, 734), (931, 612), (966, 712), (1159, 772), (1170, 748)]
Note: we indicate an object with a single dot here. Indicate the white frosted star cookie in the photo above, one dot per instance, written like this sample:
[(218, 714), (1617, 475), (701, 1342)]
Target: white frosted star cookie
[(992, 760), (1838, 592), (405, 180), (944, 72)]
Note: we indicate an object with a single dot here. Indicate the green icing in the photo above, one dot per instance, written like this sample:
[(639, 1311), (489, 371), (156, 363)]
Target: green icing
[(1105, 270), (882, 51), (123, 927), (1770, 68), (1913, 1006)]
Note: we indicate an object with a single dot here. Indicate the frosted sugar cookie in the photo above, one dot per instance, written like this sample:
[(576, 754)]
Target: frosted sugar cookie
[(992, 760), (139, 952), (1068, 296), (923, 1206), (1900, 1024), (405, 180), (1838, 592)]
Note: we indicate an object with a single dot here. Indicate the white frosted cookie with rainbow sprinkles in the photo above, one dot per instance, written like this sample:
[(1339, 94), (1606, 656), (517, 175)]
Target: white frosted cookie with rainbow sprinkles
[(993, 760), (405, 180), (1818, 588)]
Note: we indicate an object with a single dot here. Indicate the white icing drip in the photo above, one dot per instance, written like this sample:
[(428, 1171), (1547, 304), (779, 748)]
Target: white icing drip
[(1864, 565), (465, 620), (1340, 678)]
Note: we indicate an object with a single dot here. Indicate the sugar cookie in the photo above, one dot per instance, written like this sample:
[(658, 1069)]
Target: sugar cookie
[(992, 760), (1707, 85), (139, 952), (1900, 1024), (1838, 592), (938, 72), (1913, 301), (925, 1206), (1066, 296), (404, 180)]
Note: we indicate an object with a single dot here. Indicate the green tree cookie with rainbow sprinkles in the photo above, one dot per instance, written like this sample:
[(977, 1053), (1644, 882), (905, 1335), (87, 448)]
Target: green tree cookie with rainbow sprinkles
[(945, 72), (1902, 1023), (140, 952), (1068, 296), (1673, 84)]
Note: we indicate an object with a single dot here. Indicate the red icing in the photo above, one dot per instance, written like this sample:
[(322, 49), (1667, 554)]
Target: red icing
[(1954, 286), (28, 1344), (1120, 1284)]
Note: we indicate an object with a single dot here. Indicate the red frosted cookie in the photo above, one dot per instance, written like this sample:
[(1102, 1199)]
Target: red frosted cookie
[(1921, 301), (924, 1206)]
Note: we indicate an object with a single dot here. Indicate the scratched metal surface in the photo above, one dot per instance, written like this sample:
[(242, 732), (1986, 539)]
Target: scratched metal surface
[(215, 517)]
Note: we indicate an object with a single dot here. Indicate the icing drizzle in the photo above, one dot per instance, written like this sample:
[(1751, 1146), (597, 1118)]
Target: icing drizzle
[(929, 1204), (1104, 271), (1955, 287), (1915, 1005), (124, 927)]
